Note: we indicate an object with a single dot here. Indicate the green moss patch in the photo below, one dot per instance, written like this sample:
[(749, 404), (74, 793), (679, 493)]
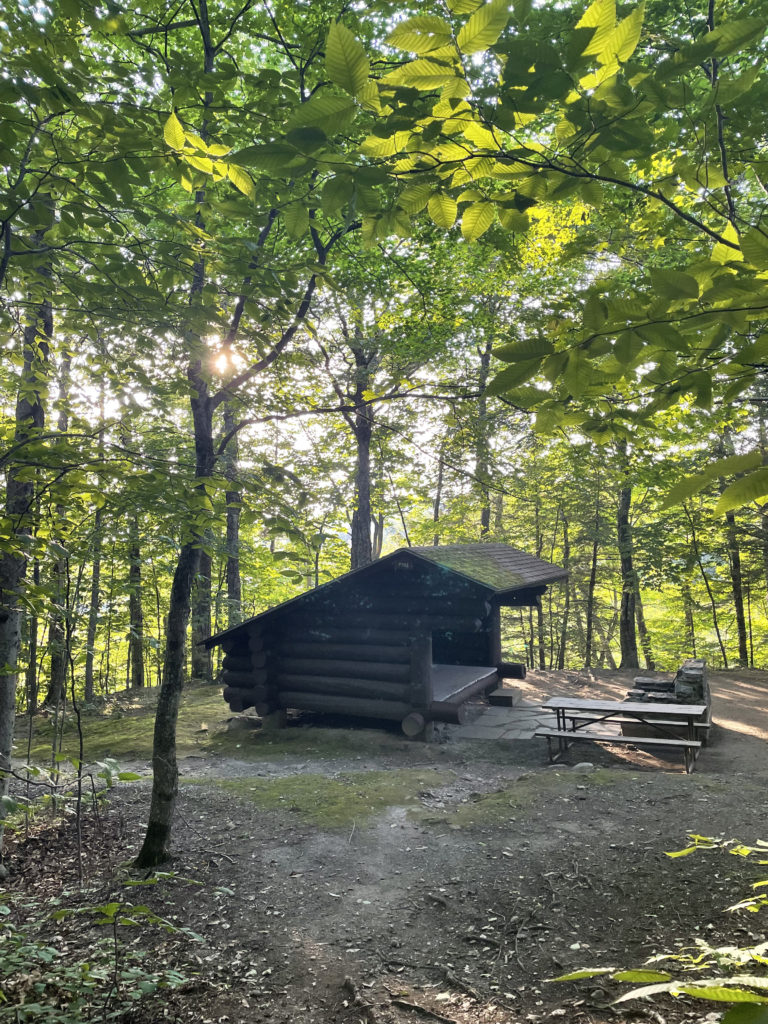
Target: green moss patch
[(321, 741), (123, 729), (337, 802), (527, 792)]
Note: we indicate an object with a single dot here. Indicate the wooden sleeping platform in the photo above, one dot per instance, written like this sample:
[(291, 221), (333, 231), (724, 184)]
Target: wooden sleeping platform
[(453, 684)]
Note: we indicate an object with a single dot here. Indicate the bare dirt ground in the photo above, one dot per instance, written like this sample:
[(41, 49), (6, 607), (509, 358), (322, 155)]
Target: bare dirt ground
[(394, 882)]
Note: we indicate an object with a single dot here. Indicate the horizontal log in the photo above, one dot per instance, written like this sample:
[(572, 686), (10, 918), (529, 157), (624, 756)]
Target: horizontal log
[(362, 707), (413, 724), (404, 604), (511, 669), (346, 652), (237, 662), (264, 708), (256, 641), (334, 633), (237, 644), (248, 698), (356, 669), (456, 714), (409, 624), (451, 589), (235, 703), (341, 686), (245, 680)]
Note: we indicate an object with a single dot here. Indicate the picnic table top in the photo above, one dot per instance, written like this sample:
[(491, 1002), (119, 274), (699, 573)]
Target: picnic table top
[(631, 707)]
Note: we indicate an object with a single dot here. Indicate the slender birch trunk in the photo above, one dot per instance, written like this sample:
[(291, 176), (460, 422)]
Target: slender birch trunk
[(19, 516)]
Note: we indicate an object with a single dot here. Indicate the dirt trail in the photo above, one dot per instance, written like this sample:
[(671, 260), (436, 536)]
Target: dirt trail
[(459, 893)]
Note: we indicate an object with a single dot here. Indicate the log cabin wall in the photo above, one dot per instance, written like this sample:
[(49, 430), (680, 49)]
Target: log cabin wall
[(363, 648), (365, 644)]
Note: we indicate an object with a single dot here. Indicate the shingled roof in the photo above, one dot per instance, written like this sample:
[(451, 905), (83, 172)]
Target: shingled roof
[(497, 566)]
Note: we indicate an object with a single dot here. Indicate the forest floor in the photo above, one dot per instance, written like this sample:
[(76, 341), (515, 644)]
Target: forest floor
[(338, 875)]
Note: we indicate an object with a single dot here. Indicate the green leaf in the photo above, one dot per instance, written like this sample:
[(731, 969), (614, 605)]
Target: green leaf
[(173, 133), (336, 193), (512, 376), (586, 972), (754, 245), (484, 27), (722, 253), (734, 464), (514, 220), (442, 209), (272, 157), (323, 110), (476, 220), (345, 60), (296, 219), (424, 74), (721, 993), (641, 977), (683, 490), (594, 314), (601, 17), (241, 180), (463, 6), (753, 487), (673, 284), (746, 1014), (421, 34), (531, 348), (622, 42), (734, 35), (128, 776), (415, 197)]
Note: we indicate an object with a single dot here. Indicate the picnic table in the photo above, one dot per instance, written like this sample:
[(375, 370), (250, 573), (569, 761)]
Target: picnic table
[(665, 721)]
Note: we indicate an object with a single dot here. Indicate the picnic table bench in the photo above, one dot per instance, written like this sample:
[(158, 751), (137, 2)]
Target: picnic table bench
[(574, 714)]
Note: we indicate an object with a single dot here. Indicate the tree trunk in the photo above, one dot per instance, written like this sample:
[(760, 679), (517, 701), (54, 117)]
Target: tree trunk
[(690, 627), (737, 586), (482, 450), (31, 682), (360, 546), (763, 509), (627, 635), (93, 610), (590, 608), (438, 498), (567, 605), (19, 510), (734, 558), (135, 608), (201, 659), (645, 638), (378, 535), (234, 504), (165, 781), (707, 584), (57, 632), (540, 635)]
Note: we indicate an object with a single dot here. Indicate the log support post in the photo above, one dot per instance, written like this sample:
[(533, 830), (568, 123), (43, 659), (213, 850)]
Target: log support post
[(273, 721), (421, 673), (417, 723), (494, 636)]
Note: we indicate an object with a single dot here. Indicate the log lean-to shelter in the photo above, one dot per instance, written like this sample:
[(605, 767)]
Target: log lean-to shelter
[(408, 638)]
